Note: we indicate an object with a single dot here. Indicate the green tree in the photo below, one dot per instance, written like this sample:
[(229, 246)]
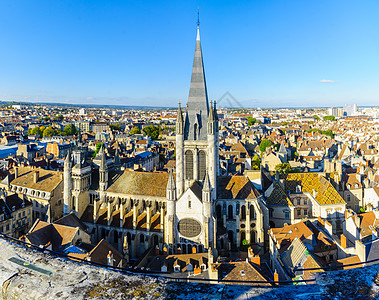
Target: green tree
[(116, 126), (49, 131), (36, 130), (58, 118), (135, 130), (70, 129), (264, 144), (328, 133), (316, 117), (256, 163), (251, 121), (152, 131), (329, 118), (284, 168)]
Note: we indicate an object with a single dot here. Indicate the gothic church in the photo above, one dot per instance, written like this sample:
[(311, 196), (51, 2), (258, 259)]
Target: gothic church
[(192, 206)]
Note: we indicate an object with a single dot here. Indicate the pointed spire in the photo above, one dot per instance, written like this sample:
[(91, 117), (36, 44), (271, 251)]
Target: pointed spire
[(67, 161), (179, 117), (197, 105), (207, 183), (117, 161), (211, 117), (282, 148), (215, 110), (103, 162), (171, 181)]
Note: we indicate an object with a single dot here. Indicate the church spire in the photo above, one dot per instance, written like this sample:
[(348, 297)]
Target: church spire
[(197, 105)]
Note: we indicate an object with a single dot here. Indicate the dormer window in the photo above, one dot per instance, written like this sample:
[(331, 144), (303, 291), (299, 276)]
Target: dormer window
[(348, 186), (298, 189), (356, 185)]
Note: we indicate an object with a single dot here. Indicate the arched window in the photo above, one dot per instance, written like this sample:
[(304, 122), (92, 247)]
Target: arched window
[(243, 212), (243, 237), (230, 212), (189, 164), (202, 165), (252, 212)]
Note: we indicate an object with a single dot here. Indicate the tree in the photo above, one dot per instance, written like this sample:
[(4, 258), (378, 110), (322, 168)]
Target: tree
[(58, 118), (70, 129), (135, 130), (152, 131), (328, 133), (36, 130), (116, 126), (49, 131), (284, 168), (264, 144), (329, 118), (316, 117), (251, 121), (256, 163)]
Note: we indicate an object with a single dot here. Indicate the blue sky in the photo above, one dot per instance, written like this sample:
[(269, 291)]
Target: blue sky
[(265, 53)]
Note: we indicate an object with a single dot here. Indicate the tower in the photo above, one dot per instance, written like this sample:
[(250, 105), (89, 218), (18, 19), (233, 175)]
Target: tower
[(207, 209), (103, 171), (67, 185), (197, 132), (171, 207)]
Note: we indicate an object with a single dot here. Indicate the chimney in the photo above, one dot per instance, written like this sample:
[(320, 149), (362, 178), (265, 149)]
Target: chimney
[(276, 278), (164, 250), (15, 172), (36, 176), (194, 249), (343, 241)]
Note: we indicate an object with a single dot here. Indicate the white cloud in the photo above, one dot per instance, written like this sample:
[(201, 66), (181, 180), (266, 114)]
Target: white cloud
[(327, 81)]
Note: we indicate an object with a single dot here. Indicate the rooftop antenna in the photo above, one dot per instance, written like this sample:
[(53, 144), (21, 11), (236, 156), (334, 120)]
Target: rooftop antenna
[(198, 16)]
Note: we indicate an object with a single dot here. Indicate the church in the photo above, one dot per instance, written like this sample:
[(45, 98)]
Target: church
[(191, 208)]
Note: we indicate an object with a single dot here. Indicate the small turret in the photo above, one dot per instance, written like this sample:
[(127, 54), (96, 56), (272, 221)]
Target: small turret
[(211, 121), (171, 188), (207, 189), (179, 121), (103, 171), (67, 185), (117, 162)]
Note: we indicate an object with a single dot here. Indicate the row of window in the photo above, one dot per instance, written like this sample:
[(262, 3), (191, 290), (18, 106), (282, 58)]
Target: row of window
[(30, 192), (202, 165), (298, 201), (305, 212)]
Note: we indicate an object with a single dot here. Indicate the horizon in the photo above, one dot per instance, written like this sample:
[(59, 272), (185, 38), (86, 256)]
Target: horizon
[(293, 55)]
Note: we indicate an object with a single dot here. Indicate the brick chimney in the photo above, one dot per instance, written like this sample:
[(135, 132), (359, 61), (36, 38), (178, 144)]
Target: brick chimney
[(36, 176)]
